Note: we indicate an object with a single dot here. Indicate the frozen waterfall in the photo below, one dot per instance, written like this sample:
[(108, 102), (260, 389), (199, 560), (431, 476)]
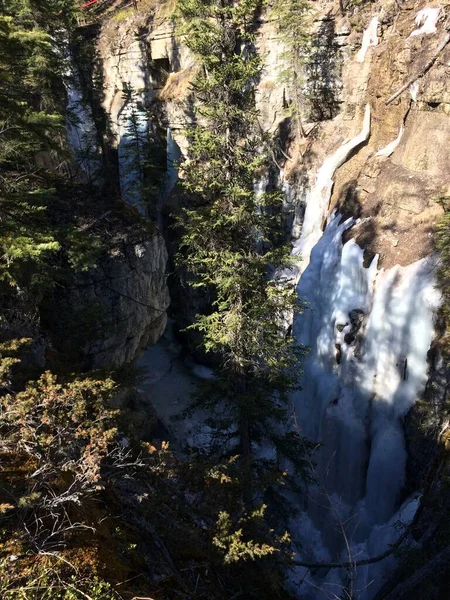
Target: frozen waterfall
[(80, 127), (133, 127), (319, 197), (389, 149), (369, 331)]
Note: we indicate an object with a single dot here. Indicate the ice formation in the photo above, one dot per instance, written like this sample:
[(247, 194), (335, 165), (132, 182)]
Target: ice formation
[(129, 120), (173, 158), (319, 197), (389, 149), (369, 331), (370, 38), (80, 127), (426, 20)]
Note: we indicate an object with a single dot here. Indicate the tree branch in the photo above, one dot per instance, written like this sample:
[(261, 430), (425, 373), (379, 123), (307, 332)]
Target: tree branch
[(427, 66), (356, 563)]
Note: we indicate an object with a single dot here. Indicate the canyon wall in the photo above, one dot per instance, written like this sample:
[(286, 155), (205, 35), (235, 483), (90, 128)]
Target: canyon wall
[(365, 184)]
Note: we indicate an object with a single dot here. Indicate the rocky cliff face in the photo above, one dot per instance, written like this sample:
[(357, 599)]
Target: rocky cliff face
[(107, 315), (124, 300), (392, 182)]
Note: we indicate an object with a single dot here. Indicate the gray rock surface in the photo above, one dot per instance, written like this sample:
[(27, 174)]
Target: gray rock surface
[(119, 307)]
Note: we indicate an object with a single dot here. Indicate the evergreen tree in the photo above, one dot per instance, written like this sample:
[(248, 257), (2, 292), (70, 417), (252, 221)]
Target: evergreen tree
[(142, 154), (291, 18), (322, 72), (30, 125), (230, 244)]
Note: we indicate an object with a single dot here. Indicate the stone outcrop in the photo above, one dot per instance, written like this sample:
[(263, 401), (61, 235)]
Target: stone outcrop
[(139, 50), (395, 193), (111, 313)]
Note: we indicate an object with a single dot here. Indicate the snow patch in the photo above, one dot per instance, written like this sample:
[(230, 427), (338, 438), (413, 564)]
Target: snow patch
[(370, 39), (426, 20), (389, 149), (203, 372), (414, 90)]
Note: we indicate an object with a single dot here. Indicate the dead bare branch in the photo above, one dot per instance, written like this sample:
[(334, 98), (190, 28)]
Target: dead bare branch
[(422, 71)]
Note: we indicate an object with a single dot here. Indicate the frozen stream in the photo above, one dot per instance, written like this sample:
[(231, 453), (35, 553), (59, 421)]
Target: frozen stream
[(369, 331), (170, 381)]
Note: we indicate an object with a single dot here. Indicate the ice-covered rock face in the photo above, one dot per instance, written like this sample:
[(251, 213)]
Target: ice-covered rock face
[(369, 331), (126, 101), (319, 196), (81, 130), (137, 70)]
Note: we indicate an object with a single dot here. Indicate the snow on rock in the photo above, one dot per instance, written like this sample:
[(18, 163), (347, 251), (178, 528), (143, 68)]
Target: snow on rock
[(370, 39), (199, 370), (389, 149), (414, 90), (169, 384), (426, 20)]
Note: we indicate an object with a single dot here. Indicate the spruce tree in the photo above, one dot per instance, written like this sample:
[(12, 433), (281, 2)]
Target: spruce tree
[(290, 18), (30, 124), (143, 156), (230, 244)]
